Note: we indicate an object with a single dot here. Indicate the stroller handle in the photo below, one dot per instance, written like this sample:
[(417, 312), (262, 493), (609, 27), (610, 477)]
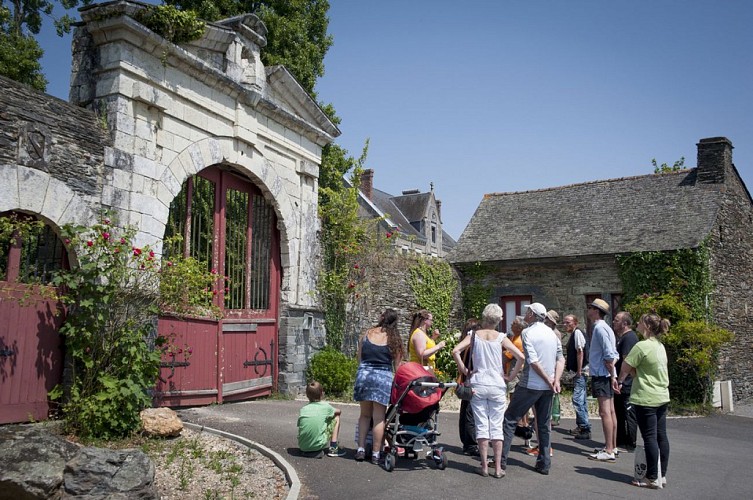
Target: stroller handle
[(441, 385)]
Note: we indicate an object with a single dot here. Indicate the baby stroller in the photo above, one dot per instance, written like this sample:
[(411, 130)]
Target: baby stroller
[(411, 420)]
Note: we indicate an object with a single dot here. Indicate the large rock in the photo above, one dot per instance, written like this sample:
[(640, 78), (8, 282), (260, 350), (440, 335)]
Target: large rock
[(32, 461), (36, 462), (161, 422), (111, 474)]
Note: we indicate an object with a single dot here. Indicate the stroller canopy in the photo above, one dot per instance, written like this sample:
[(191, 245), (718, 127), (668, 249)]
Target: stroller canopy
[(416, 398)]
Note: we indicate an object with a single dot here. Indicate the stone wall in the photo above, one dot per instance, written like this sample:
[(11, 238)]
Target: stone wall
[(731, 245), (561, 285), (51, 156), (389, 287)]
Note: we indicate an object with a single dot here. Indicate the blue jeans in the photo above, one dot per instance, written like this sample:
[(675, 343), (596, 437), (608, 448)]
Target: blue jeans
[(580, 405), (652, 421), (522, 400)]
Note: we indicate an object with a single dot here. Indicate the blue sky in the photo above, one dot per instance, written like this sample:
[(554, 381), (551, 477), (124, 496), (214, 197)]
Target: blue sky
[(510, 95)]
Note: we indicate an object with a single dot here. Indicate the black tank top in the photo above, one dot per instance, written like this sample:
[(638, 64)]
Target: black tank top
[(375, 355)]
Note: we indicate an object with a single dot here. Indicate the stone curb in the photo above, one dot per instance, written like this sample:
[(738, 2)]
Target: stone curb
[(290, 474)]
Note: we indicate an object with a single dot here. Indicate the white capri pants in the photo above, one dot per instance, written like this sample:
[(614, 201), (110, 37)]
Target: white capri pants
[(488, 405)]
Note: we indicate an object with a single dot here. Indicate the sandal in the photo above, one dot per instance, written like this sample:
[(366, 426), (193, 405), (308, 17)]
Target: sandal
[(499, 475), (481, 472)]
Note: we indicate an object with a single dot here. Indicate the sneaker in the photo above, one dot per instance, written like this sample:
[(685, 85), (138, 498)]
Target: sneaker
[(652, 484), (335, 451), (583, 435), (534, 452), (603, 456), (574, 432), (471, 451), (664, 482), (616, 451), (360, 455), (620, 449), (542, 470)]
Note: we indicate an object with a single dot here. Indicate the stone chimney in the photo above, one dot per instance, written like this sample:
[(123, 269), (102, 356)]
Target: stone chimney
[(439, 210), (714, 160), (367, 183)]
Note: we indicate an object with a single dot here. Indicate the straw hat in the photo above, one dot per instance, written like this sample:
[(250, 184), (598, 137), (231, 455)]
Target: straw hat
[(601, 305)]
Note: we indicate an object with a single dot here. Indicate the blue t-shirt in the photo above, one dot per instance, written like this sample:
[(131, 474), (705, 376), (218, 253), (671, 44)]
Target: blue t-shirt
[(603, 348)]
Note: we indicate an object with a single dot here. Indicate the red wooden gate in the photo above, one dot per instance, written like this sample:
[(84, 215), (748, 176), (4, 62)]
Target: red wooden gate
[(31, 359), (226, 222)]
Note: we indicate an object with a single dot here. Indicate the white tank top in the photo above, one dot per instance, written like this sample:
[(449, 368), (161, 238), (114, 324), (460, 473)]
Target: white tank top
[(487, 362)]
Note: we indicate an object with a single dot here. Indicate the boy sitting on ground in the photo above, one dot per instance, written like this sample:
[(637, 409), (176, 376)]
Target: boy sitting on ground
[(318, 424)]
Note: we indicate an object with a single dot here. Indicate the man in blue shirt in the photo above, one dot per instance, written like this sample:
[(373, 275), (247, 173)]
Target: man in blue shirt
[(602, 357)]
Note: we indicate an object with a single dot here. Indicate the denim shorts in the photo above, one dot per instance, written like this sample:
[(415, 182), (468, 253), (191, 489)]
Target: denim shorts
[(601, 387)]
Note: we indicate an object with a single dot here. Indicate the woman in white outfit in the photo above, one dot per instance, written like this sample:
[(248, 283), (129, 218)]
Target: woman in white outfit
[(489, 384)]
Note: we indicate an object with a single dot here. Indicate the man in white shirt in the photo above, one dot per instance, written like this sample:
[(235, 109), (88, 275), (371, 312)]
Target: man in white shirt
[(539, 381)]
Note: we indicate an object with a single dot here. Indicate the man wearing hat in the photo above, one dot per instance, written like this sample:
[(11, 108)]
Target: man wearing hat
[(552, 320), (539, 381), (602, 357)]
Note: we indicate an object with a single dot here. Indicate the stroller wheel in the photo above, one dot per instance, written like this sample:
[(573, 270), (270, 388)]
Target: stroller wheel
[(441, 461), (389, 462)]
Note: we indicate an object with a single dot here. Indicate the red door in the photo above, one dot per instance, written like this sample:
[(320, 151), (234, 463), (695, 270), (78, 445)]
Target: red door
[(31, 359), (249, 258), (228, 224)]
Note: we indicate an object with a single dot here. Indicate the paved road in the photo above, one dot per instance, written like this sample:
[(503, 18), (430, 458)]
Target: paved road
[(711, 458)]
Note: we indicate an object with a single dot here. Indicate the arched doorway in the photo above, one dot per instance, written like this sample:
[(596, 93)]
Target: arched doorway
[(31, 352), (225, 223)]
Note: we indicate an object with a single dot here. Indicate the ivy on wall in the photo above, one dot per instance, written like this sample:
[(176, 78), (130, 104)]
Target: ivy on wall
[(676, 286), (434, 287), (684, 272), (476, 294)]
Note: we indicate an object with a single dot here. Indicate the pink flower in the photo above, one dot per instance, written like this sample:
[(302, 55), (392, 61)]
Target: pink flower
[(105, 236), (389, 234), (107, 221), (351, 285), (89, 243), (122, 241), (214, 271), (169, 264), (355, 266), (151, 253), (117, 250), (136, 251), (67, 241)]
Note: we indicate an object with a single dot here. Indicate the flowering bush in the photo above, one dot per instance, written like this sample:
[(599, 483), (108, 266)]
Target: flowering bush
[(111, 299), (186, 286)]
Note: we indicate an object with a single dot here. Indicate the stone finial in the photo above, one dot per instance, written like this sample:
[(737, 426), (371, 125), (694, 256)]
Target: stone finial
[(161, 422)]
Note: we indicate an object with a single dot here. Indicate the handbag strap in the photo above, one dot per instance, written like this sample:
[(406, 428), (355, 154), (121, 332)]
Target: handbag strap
[(468, 355)]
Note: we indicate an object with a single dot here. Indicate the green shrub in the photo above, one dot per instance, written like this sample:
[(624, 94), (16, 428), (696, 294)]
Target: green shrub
[(334, 370), (446, 368), (692, 347), (693, 352)]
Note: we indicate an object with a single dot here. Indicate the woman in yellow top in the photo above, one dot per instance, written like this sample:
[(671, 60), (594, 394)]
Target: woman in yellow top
[(423, 348)]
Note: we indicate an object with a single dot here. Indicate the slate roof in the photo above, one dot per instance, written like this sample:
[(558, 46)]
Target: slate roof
[(405, 209), (631, 214)]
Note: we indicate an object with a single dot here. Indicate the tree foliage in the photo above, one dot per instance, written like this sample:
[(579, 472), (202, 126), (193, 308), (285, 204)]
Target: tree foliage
[(20, 21), (664, 168)]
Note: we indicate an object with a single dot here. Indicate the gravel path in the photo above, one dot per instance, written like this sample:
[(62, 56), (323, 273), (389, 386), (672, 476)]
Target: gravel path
[(203, 465)]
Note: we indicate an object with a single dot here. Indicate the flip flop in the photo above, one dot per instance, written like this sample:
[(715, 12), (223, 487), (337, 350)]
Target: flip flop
[(499, 476), (481, 472)]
